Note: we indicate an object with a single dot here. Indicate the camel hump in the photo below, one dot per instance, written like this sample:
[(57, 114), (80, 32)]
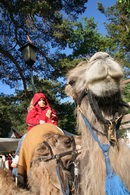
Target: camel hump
[(43, 129)]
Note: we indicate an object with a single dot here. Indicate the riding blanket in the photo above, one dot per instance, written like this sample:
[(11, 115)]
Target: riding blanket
[(32, 139)]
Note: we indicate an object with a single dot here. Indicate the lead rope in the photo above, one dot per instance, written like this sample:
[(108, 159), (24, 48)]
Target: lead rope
[(104, 148)]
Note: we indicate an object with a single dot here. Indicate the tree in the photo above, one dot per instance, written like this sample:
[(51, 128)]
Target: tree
[(5, 122), (46, 24), (86, 39), (118, 32), (51, 26)]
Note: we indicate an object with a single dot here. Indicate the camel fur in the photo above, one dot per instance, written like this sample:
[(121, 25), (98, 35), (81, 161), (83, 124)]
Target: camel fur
[(8, 186)]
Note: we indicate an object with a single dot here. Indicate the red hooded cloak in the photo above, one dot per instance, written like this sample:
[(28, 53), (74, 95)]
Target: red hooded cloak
[(37, 113)]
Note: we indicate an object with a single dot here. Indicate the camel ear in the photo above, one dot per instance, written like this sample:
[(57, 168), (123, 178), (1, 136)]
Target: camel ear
[(51, 138), (69, 91)]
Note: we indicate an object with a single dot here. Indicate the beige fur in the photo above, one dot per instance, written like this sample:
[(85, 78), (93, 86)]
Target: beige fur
[(7, 184), (102, 75), (43, 177)]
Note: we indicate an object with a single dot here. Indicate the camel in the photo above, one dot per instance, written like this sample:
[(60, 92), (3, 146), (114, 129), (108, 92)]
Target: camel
[(51, 156), (96, 87)]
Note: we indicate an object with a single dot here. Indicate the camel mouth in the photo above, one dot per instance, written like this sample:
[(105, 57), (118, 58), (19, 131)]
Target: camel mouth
[(106, 100), (99, 105)]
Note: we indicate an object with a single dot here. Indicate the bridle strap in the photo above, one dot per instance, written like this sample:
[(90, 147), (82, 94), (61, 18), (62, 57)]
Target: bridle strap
[(59, 163), (49, 147), (56, 156), (76, 172), (111, 125), (82, 95), (96, 110)]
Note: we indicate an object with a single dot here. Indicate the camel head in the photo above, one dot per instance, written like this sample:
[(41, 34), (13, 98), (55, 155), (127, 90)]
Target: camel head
[(60, 145), (57, 152), (95, 85), (101, 75)]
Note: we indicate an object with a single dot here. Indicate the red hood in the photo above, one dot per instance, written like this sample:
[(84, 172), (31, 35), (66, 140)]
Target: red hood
[(37, 97)]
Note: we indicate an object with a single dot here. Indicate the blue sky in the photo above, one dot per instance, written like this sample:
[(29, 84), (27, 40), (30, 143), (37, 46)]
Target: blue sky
[(91, 11)]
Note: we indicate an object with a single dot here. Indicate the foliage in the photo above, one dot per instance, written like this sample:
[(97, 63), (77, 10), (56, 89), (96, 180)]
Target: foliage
[(48, 25), (52, 27), (118, 31), (126, 94), (126, 3), (61, 43), (12, 114), (45, 23), (86, 40), (5, 122)]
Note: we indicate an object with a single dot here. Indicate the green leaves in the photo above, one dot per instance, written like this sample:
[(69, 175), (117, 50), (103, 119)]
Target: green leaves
[(126, 3)]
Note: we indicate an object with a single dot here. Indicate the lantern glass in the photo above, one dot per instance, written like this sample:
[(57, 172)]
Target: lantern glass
[(29, 53)]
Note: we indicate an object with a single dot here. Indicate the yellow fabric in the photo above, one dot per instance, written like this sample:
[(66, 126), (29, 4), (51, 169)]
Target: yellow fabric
[(32, 139)]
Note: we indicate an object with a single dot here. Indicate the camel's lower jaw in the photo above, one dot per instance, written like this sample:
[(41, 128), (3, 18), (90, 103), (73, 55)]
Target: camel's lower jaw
[(104, 88)]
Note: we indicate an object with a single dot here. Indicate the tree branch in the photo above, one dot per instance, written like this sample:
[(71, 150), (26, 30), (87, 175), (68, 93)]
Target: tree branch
[(126, 81), (8, 55)]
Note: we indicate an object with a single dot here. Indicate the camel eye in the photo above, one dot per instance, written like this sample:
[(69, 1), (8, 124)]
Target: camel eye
[(67, 142), (72, 82)]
